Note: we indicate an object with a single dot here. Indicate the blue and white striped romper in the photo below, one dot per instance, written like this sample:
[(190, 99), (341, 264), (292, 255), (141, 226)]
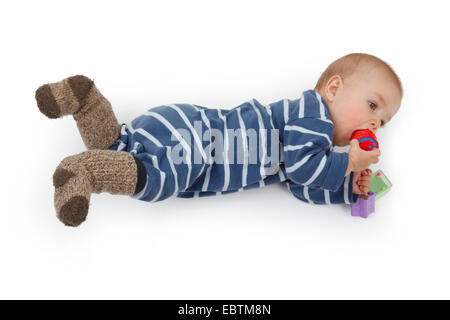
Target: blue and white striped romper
[(293, 147)]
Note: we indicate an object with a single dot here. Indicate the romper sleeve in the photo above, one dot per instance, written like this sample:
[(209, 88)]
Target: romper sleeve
[(309, 160), (344, 194)]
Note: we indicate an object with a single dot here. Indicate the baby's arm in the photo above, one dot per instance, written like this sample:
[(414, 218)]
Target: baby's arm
[(344, 195), (309, 160)]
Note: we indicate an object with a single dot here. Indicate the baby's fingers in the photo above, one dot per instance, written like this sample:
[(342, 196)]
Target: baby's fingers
[(365, 182), (365, 178), (376, 152), (374, 155), (364, 186)]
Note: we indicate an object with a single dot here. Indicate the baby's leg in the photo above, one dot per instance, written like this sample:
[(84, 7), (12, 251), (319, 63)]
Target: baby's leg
[(93, 171), (78, 96)]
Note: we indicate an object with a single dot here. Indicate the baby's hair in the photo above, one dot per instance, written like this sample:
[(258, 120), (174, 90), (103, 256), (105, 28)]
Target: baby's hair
[(347, 65)]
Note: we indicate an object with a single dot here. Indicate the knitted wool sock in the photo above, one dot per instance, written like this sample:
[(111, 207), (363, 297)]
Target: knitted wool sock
[(78, 96), (92, 171)]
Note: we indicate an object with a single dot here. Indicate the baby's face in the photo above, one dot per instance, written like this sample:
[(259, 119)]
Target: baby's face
[(367, 100)]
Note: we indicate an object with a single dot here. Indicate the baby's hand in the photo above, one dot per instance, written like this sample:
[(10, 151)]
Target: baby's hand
[(360, 159), (361, 181)]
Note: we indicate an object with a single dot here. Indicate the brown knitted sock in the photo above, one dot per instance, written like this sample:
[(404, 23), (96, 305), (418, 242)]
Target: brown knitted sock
[(78, 96), (92, 171)]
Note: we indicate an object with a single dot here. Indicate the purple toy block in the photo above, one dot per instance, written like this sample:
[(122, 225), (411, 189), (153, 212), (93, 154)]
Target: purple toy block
[(362, 208)]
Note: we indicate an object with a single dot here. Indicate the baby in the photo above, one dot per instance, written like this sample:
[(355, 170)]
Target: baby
[(187, 150)]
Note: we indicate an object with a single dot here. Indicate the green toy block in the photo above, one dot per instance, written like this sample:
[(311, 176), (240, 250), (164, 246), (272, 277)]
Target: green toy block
[(379, 184)]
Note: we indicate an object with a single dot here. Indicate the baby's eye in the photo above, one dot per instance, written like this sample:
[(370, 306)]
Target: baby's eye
[(372, 105)]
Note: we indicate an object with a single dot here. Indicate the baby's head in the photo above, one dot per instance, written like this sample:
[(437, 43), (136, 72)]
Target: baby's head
[(362, 92)]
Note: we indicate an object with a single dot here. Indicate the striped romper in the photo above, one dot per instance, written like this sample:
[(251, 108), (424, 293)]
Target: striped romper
[(187, 150)]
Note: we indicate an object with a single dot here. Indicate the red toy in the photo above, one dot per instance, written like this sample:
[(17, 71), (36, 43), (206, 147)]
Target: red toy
[(366, 139)]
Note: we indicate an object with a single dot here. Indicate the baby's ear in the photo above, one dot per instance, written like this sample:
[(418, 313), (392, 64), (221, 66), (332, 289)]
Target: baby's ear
[(332, 87)]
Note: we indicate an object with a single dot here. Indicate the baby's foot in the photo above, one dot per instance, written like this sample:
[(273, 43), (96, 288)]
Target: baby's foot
[(92, 171), (64, 97), (72, 191)]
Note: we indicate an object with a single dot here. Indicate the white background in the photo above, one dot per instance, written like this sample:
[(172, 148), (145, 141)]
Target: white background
[(258, 244)]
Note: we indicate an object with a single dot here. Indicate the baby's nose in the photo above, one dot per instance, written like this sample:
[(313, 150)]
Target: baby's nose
[(374, 125)]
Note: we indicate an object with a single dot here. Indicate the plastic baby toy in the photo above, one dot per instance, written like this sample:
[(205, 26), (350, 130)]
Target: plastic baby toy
[(363, 207), (366, 139)]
